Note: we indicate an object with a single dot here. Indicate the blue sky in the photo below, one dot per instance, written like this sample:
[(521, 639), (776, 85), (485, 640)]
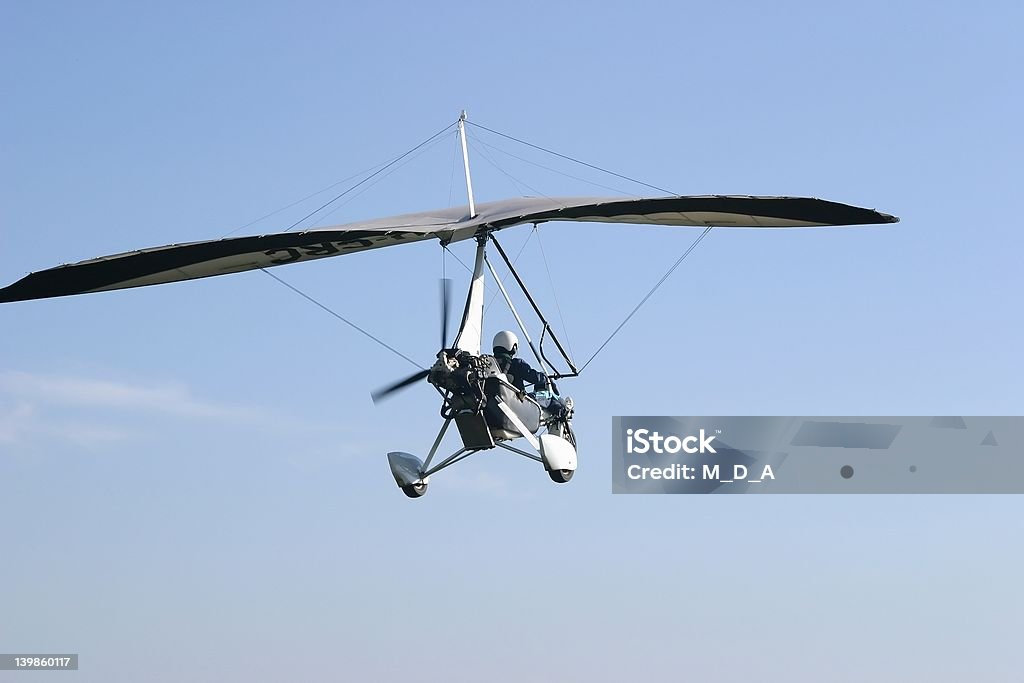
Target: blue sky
[(194, 482)]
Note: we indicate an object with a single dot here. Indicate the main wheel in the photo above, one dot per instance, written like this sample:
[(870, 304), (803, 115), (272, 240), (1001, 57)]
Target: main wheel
[(414, 490), (561, 476)]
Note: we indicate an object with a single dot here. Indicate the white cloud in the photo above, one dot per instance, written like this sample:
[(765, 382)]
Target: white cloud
[(90, 412), (13, 423), (23, 423), (172, 399)]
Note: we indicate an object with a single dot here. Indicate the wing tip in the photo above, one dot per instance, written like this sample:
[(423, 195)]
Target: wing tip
[(884, 218)]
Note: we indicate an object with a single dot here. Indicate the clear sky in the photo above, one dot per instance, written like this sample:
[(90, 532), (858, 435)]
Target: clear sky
[(193, 483)]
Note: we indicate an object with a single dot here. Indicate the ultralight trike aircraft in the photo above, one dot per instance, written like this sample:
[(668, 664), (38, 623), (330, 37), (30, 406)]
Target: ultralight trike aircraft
[(488, 409)]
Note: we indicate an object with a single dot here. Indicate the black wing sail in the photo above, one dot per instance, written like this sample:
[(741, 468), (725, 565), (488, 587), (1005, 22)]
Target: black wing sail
[(177, 262)]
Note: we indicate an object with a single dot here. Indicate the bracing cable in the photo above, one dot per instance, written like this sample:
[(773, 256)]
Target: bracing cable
[(569, 158), (337, 315), (395, 168), (517, 183), (649, 294), (299, 201), (554, 290), (371, 176), (555, 170)]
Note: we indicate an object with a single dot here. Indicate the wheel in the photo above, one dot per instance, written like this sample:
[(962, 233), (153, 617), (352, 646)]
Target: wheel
[(561, 476), (414, 490)]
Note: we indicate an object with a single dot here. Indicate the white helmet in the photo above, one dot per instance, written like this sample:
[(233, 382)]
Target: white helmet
[(505, 342)]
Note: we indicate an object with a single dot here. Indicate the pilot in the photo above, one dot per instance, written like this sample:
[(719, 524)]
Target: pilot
[(517, 370), (519, 373)]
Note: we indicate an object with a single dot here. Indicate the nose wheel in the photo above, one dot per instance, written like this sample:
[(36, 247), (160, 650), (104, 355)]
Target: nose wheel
[(416, 490), (561, 476)]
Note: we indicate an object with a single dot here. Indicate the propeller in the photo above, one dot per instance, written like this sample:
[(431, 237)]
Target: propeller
[(399, 385), (446, 304), (381, 394)]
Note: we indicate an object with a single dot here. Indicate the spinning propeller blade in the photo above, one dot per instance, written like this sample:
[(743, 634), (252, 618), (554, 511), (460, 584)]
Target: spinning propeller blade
[(446, 301), (387, 391)]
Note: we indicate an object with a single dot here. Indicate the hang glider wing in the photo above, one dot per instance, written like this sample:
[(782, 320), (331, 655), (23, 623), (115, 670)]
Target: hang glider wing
[(702, 212), (177, 262)]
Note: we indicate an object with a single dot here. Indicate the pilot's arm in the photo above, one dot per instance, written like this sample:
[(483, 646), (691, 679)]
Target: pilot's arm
[(523, 371)]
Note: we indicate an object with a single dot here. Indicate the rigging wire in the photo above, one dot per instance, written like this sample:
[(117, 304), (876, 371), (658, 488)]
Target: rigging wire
[(515, 260), (410, 159), (555, 170), (456, 257), (518, 184), (337, 315), (373, 175), (569, 158), (299, 201), (554, 291), (649, 294)]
